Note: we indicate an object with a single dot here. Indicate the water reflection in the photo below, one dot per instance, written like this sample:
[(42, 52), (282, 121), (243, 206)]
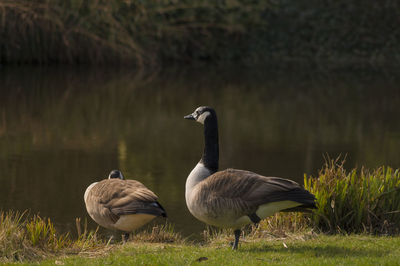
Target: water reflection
[(62, 129)]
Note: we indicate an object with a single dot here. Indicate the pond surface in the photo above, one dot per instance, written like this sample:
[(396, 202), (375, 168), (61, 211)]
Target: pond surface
[(64, 128)]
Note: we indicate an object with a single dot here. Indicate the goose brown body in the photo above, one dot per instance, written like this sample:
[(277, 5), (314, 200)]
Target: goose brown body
[(121, 204), (227, 198)]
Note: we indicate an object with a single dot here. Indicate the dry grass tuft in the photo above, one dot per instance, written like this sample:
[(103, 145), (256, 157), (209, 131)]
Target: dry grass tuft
[(268, 230), (283, 224), (164, 233)]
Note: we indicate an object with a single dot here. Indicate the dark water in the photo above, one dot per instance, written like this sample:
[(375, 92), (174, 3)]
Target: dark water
[(62, 129)]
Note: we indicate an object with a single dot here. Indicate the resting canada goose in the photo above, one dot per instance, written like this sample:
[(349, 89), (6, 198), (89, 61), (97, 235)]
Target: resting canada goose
[(233, 198), (125, 205)]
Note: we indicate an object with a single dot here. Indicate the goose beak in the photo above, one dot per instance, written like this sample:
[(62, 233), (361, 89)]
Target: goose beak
[(190, 117)]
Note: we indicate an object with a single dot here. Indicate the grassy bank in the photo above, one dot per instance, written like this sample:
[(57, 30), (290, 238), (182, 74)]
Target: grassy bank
[(365, 202), (159, 246), (155, 33), (31, 239)]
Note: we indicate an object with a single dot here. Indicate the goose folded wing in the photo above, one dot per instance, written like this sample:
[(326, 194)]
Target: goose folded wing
[(245, 190), (274, 189), (134, 198)]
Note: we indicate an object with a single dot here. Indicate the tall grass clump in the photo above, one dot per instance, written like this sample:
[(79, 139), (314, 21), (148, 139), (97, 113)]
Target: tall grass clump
[(356, 201), (42, 233), (23, 237)]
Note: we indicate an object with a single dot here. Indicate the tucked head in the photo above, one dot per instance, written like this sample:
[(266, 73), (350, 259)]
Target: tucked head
[(201, 114), (115, 174)]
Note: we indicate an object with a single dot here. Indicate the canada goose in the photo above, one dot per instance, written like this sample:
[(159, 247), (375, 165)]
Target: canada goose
[(125, 205), (233, 198)]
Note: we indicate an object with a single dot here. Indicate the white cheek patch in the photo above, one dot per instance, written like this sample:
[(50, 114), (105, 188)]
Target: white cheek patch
[(203, 117)]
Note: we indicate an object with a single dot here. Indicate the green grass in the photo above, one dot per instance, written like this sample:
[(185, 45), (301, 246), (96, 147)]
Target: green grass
[(29, 240), (318, 250)]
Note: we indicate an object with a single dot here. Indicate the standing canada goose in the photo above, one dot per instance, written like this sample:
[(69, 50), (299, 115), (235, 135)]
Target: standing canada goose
[(233, 198), (125, 205)]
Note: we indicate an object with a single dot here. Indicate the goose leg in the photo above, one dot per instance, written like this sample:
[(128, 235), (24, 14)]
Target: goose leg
[(125, 237), (236, 243)]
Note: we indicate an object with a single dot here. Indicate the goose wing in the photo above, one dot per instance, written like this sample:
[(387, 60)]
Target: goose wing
[(120, 197), (243, 191)]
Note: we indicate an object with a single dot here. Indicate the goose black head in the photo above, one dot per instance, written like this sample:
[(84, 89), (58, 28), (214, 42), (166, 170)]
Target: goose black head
[(115, 174), (201, 114)]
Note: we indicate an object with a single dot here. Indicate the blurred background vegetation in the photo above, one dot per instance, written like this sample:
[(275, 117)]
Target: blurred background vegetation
[(158, 33)]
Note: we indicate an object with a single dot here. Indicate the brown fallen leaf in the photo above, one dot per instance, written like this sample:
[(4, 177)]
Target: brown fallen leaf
[(201, 259)]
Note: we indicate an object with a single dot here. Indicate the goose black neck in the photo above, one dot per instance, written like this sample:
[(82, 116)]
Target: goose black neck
[(211, 150)]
